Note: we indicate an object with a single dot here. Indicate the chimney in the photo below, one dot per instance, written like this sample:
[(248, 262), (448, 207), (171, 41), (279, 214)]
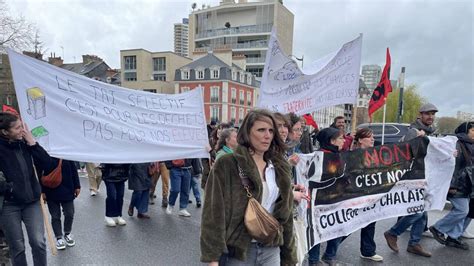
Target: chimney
[(86, 59), (224, 53), (55, 61), (34, 55)]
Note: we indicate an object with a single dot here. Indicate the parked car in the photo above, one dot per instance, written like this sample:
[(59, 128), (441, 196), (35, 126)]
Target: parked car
[(393, 131)]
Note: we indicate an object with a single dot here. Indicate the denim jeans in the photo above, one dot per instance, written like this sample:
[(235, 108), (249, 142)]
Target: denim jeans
[(140, 200), (417, 222), (195, 187), (331, 250), (180, 183), (30, 214), (258, 255), (114, 200), (453, 223), (54, 208), (367, 243)]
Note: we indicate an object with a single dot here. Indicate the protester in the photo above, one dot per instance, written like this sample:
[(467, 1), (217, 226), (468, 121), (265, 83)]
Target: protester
[(364, 138), (283, 125), (139, 181), (227, 142), (456, 221), (180, 175), (423, 126), (164, 173), (340, 123), (114, 176), (196, 172), (331, 140), (306, 145), (62, 197), (94, 175), (260, 157), (22, 191)]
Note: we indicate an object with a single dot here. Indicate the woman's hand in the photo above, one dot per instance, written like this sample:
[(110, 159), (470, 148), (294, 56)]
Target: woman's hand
[(299, 187), (298, 196), (77, 191), (294, 159), (30, 140)]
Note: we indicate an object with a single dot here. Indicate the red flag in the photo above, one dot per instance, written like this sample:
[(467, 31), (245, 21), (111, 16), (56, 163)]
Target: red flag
[(9, 109), (310, 121), (383, 88)]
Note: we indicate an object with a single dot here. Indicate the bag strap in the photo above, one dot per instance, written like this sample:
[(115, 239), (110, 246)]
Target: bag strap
[(244, 179)]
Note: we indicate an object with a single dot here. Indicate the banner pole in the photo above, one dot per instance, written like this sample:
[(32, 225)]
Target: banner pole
[(383, 121)]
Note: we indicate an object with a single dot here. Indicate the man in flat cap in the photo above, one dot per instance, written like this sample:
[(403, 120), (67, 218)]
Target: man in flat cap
[(423, 126)]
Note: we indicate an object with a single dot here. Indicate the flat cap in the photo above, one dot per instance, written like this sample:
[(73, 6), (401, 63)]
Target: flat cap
[(428, 107)]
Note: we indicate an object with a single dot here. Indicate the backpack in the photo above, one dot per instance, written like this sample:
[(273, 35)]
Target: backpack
[(178, 163), (53, 179)]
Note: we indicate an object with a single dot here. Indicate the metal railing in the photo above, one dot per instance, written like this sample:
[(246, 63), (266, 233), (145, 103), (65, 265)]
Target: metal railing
[(235, 30)]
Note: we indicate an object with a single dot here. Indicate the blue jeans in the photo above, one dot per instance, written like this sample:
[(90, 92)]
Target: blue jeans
[(180, 183), (257, 254), (331, 251), (417, 222), (195, 188), (114, 200), (140, 200), (453, 223), (367, 243), (30, 214)]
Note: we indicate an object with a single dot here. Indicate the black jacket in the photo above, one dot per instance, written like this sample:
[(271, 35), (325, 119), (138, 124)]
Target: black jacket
[(139, 177), (16, 163), (197, 167), (463, 172), (69, 183), (115, 172)]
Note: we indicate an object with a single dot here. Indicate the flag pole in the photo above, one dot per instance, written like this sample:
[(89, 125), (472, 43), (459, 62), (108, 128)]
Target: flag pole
[(383, 121)]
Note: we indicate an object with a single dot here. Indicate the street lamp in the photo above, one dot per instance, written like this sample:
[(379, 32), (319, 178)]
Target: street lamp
[(299, 59)]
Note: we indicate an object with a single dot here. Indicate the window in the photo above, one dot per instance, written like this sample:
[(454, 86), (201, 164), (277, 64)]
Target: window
[(159, 64), (249, 98), (214, 94), (161, 77), (242, 77), (214, 110), (241, 97), (249, 78), (184, 74), (130, 76), (241, 115), (200, 73), (232, 113), (130, 62), (234, 74), (233, 95), (184, 89), (214, 73)]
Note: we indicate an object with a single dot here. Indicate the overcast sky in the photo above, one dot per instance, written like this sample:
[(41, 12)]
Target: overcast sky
[(432, 39)]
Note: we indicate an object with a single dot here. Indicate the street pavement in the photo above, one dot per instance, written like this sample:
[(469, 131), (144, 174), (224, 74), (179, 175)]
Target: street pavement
[(173, 240)]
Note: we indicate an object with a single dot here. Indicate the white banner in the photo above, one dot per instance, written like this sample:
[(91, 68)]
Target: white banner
[(77, 118), (365, 186), (332, 80)]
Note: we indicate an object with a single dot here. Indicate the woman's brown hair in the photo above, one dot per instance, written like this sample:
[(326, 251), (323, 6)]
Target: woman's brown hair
[(277, 147)]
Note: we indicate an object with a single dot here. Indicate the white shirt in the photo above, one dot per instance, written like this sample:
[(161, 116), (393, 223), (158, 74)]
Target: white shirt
[(270, 188)]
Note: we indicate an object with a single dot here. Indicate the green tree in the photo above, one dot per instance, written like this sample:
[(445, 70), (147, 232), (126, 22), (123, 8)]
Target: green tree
[(447, 125), (412, 101)]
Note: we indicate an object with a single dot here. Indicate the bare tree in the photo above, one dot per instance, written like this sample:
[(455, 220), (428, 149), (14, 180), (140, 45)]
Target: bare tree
[(15, 32)]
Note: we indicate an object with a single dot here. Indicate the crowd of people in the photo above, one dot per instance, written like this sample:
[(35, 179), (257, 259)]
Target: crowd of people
[(264, 149)]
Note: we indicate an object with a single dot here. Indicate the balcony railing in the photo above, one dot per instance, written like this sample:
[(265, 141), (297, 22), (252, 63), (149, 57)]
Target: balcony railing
[(233, 100), (241, 102), (214, 99), (235, 30), (255, 60)]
